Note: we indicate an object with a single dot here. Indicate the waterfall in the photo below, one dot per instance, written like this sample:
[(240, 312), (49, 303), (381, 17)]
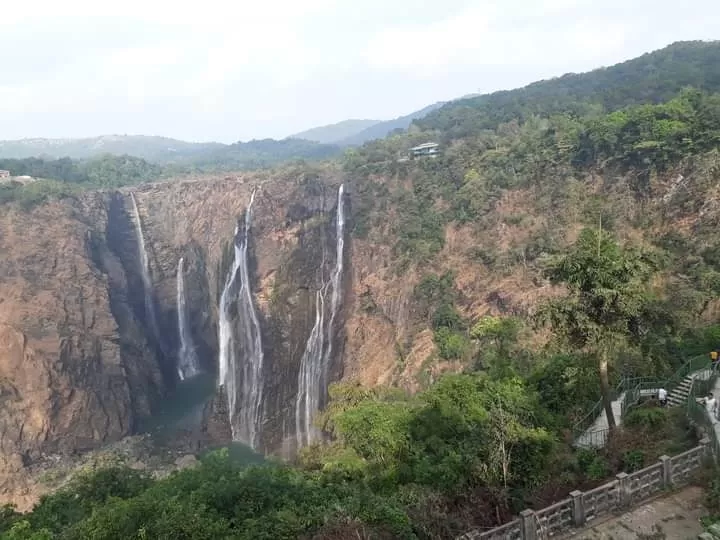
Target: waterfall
[(145, 272), (315, 361), (188, 365), (241, 374)]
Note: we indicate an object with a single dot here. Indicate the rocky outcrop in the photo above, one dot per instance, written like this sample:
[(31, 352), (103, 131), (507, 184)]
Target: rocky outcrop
[(80, 362), (79, 365)]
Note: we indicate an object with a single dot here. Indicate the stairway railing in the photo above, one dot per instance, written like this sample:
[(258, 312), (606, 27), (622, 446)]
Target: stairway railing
[(633, 387), (696, 410)]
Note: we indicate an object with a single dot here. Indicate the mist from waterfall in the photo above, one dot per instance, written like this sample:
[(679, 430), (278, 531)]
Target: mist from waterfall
[(241, 356), (188, 363), (315, 362), (145, 273)]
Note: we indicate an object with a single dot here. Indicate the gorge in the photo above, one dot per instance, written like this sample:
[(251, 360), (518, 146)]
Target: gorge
[(152, 293)]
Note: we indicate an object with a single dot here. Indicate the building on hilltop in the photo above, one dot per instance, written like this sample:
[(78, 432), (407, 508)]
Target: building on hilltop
[(427, 149)]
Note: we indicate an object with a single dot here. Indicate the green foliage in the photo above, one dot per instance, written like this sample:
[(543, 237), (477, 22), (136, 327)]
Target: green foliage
[(607, 300), (608, 291), (35, 193), (8, 516), (447, 316), (63, 178), (648, 418), (452, 345), (87, 492), (651, 78), (567, 385), (633, 460), (498, 332), (598, 469), (712, 496), (464, 431)]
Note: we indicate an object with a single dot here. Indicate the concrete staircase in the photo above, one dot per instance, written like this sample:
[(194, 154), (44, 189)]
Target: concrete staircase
[(596, 435), (679, 394)]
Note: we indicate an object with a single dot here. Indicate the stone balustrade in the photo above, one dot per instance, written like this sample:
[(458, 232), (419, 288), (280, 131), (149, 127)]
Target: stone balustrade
[(581, 508)]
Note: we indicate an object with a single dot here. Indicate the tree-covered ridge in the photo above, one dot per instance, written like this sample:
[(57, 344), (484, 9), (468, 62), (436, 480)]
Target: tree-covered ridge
[(156, 149), (165, 151), (57, 179), (257, 154), (651, 78)]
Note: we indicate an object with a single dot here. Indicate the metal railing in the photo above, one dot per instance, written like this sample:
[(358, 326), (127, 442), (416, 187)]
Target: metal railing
[(633, 388), (697, 411), (626, 490)]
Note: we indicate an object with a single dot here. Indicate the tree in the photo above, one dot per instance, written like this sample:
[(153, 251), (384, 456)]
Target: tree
[(498, 332), (607, 294)]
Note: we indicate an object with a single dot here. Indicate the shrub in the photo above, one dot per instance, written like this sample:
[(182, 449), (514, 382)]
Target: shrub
[(452, 345), (650, 418), (633, 460)]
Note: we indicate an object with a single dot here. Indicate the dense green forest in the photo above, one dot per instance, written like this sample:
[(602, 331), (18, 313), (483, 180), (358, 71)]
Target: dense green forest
[(60, 178), (651, 78), (612, 175), (262, 153), (164, 151), (63, 177)]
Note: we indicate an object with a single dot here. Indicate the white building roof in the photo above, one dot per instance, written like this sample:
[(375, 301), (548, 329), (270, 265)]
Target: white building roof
[(425, 145)]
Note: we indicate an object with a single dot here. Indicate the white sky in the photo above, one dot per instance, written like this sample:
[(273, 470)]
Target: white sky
[(231, 70)]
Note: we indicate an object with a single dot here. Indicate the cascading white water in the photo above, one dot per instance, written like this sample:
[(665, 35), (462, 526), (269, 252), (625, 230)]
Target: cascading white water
[(308, 394), (145, 273), (226, 341), (315, 362), (188, 364), (335, 280), (245, 398)]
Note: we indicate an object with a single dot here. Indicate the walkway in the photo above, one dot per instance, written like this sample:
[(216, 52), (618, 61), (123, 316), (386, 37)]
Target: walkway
[(595, 436), (674, 516), (590, 439)]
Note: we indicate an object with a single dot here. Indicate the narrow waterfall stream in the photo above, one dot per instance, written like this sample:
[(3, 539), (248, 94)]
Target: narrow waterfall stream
[(188, 364), (145, 273), (315, 362), (241, 355)]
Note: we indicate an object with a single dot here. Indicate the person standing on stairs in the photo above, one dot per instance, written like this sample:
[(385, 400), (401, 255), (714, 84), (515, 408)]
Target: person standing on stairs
[(662, 397), (714, 358), (711, 406)]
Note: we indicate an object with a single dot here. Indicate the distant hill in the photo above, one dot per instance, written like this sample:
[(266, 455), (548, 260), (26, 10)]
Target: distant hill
[(383, 129), (155, 149), (651, 78), (263, 153), (164, 151), (333, 133)]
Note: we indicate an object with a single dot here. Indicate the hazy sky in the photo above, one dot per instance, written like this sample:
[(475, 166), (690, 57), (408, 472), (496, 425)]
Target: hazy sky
[(242, 69)]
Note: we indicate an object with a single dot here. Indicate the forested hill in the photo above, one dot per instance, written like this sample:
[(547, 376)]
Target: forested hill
[(164, 151), (651, 78), (156, 149), (333, 133)]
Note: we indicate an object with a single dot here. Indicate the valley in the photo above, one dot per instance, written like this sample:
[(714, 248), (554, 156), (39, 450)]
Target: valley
[(404, 340)]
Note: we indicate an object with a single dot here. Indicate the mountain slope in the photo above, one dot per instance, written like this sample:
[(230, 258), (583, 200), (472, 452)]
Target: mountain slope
[(383, 129), (333, 133), (263, 153), (651, 78), (157, 149)]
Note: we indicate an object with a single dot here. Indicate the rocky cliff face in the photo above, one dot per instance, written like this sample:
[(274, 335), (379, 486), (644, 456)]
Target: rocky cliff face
[(80, 362)]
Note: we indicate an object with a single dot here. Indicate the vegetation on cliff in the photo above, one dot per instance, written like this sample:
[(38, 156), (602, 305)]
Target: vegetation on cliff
[(469, 451), (57, 179), (529, 176)]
